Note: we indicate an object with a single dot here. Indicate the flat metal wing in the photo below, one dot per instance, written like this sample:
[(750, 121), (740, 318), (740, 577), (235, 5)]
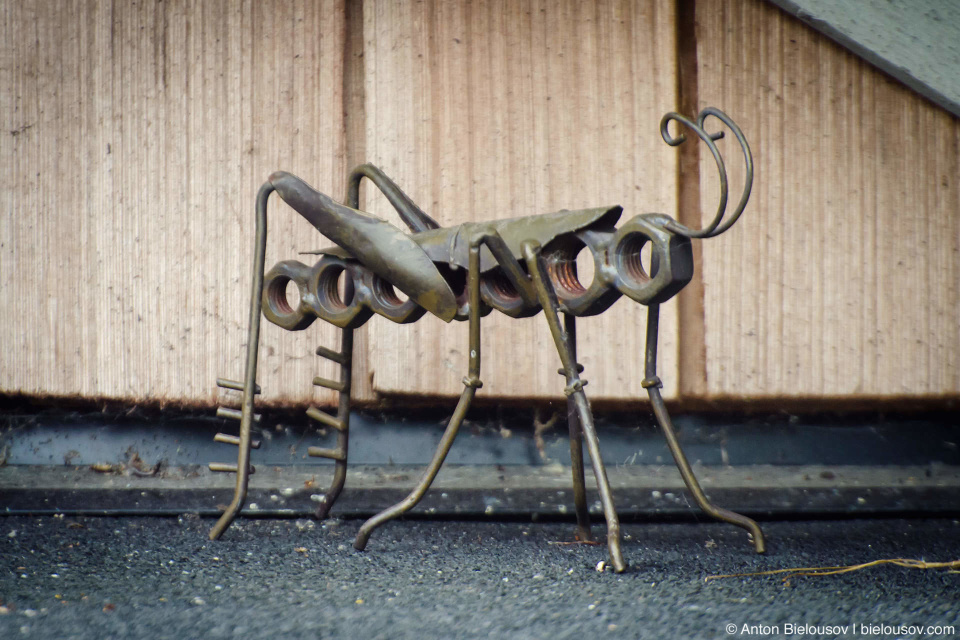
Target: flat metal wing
[(451, 244), (387, 251)]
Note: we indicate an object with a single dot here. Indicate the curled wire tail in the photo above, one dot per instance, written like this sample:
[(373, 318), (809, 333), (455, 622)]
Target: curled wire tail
[(718, 225)]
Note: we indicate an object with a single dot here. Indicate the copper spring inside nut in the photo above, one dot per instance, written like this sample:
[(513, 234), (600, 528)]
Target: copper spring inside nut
[(562, 266), (630, 258), (387, 292), (277, 295), (329, 287), (501, 287)]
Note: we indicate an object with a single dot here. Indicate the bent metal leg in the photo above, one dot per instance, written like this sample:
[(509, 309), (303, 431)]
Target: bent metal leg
[(470, 385), (652, 384), (574, 389)]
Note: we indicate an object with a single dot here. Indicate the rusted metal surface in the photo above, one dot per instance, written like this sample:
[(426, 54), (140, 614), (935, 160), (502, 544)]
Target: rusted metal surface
[(519, 267)]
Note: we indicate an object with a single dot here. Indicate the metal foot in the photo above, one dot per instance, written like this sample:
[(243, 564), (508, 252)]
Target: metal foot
[(574, 390), (652, 384), (471, 384)]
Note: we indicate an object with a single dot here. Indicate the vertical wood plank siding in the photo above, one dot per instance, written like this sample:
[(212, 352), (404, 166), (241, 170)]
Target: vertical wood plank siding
[(494, 109), (842, 278), (134, 138)]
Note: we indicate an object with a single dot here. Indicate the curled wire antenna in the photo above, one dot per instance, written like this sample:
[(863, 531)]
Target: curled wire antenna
[(717, 225)]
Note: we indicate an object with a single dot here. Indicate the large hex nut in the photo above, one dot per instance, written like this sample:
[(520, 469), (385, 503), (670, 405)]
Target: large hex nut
[(497, 292), (343, 305), (385, 301), (574, 294), (276, 307), (671, 260)]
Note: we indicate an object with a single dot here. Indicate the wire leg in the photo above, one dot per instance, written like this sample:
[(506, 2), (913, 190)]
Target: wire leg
[(250, 375), (652, 384), (471, 383), (576, 442), (574, 390)]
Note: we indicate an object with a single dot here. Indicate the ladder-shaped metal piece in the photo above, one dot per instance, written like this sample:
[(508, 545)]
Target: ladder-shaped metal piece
[(339, 422), (243, 442), (249, 386), (233, 414)]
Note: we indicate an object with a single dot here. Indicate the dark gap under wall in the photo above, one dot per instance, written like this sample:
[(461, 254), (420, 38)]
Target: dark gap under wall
[(507, 463)]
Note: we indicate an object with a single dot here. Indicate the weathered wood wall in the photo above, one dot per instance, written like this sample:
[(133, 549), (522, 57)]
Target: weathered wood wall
[(843, 278), (498, 109), (134, 137)]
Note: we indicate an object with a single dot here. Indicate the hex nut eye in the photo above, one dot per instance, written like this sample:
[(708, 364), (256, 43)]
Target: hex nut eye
[(661, 276), (575, 264), (335, 288), (333, 293), (497, 292), (277, 307), (636, 259), (393, 305)]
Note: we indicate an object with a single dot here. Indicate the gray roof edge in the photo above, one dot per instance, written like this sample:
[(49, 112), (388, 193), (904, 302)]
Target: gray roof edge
[(908, 41)]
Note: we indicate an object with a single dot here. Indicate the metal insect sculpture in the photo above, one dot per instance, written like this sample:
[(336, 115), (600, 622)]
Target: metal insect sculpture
[(518, 266)]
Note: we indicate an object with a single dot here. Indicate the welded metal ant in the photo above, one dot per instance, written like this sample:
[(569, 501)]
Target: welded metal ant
[(518, 266)]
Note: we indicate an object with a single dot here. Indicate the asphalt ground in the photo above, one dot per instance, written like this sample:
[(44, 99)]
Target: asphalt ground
[(138, 578)]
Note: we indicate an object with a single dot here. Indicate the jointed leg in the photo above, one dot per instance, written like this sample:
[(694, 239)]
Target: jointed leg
[(576, 441), (250, 375), (408, 210), (574, 390), (471, 383), (652, 384)]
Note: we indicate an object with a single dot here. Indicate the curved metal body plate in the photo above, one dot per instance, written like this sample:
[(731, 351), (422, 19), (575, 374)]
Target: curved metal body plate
[(387, 251), (452, 245)]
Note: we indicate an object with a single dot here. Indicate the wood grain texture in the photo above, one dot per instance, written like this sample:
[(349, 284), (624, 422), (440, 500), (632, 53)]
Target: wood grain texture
[(134, 139), (494, 109), (842, 277)]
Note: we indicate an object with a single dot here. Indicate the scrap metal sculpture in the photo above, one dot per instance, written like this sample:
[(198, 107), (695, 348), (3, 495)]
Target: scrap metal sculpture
[(518, 266)]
